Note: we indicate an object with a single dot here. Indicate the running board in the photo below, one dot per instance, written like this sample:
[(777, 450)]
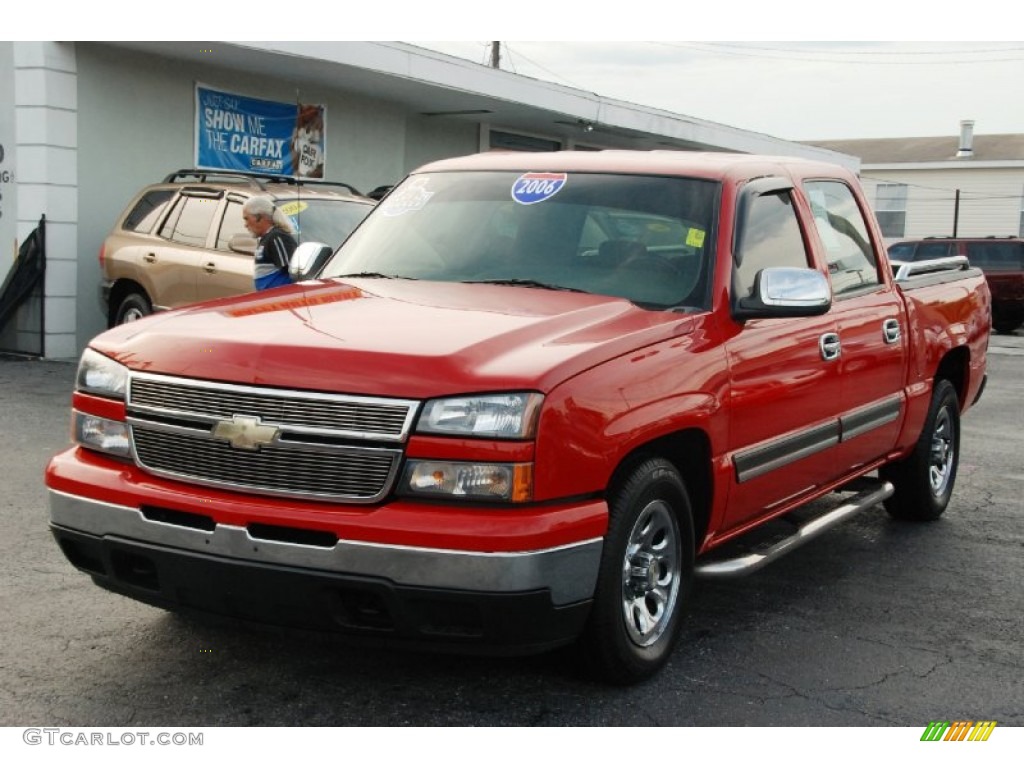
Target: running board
[(869, 493)]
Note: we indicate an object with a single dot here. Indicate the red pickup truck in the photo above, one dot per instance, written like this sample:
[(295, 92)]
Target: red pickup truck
[(525, 405)]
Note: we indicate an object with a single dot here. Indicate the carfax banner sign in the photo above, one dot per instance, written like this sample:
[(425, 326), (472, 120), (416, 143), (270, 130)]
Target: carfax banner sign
[(240, 133)]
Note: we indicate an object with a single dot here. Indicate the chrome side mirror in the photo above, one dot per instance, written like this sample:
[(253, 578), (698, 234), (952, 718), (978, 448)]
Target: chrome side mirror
[(786, 292), (307, 260)]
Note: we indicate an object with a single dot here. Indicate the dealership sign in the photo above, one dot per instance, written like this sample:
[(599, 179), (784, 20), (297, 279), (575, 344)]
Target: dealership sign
[(239, 133)]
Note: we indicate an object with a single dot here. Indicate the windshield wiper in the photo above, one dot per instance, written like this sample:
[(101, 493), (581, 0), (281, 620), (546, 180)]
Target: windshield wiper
[(526, 284), (372, 274)]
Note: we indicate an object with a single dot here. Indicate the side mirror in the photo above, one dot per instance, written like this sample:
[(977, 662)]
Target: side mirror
[(307, 260), (786, 292), (243, 244)]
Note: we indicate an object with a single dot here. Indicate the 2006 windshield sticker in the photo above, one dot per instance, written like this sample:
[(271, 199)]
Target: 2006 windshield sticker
[(533, 188)]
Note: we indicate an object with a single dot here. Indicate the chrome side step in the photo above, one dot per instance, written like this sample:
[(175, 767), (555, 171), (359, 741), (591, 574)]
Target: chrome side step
[(869, 493)]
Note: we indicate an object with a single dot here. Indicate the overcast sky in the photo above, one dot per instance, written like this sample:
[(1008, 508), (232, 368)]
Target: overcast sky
[(797, 90)]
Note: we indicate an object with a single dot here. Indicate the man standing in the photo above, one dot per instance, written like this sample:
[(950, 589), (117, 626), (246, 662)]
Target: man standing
[(275, 246)]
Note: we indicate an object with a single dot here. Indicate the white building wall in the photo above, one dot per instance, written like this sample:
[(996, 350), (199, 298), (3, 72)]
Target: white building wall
[(8, 189), (990, 199), (136, 116), (45, 106)]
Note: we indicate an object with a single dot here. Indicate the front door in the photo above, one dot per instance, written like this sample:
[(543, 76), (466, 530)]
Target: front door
[(784, 374)]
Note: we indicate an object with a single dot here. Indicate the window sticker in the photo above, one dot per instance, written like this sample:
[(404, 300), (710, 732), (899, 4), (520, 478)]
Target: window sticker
[(695, 237), (294, 207), (535, 187), (411, 196)]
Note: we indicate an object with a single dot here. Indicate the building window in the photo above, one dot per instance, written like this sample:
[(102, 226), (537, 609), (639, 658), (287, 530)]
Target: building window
[(521, 143), (891, 207)]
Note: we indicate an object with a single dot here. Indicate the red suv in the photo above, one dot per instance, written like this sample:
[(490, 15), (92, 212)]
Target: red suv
[(1000, 258)]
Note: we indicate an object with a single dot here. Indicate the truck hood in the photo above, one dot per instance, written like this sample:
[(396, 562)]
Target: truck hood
[(393, 338)]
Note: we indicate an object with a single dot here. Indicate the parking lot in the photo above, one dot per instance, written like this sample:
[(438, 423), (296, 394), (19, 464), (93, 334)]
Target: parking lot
[(877, 623)]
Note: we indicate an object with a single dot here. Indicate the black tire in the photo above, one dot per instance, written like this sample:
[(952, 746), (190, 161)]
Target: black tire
[(133, 306), (645, 577), (924, 480), (1007, 324)]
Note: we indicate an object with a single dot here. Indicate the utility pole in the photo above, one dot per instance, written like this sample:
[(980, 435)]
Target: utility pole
[(956, 213), (496, 55)]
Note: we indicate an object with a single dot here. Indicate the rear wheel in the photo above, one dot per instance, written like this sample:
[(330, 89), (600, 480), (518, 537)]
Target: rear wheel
[(924, 480), (645, 577)]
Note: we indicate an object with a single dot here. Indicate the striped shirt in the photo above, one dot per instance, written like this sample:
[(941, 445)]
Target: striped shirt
[(272, 254)]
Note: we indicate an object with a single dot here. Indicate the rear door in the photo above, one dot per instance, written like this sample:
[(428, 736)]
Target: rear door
[(173, 266), (224, 272), (870, 321)]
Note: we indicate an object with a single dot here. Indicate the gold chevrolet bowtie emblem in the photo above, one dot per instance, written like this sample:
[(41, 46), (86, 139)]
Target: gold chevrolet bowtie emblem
[(245, 432)]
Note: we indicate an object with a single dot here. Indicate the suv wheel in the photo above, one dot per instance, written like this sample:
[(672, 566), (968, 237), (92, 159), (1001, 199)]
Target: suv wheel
[(134, 306)]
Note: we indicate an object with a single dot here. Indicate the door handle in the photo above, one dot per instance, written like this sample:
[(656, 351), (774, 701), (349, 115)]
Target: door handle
[(891, 331), (149, 258), (209, 267), (830, 346)]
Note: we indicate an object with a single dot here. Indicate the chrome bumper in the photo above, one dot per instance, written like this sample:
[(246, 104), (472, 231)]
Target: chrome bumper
[(568, 572)]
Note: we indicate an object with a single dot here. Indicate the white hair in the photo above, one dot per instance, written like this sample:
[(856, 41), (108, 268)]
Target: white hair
[(264, 206)]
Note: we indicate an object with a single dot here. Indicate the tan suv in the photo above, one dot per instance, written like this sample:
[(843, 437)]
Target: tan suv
[(183, 240)]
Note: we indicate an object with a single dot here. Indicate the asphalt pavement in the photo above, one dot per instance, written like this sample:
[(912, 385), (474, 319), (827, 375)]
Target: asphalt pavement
[(875, 623)]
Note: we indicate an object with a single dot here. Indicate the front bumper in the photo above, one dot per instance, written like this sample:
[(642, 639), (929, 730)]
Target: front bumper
[(506, 602)]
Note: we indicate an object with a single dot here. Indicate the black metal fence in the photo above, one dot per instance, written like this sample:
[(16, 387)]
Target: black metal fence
[(22, 298)]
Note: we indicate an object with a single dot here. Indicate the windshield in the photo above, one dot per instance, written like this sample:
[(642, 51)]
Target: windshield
[(642, 238), (324, 220)]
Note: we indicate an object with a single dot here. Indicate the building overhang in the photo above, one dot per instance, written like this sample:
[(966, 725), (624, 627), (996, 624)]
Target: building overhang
[(950, 165), (437, 86)]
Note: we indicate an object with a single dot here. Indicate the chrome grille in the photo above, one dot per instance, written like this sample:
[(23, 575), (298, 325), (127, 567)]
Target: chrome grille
[(355, 474), (307, 445), (367, 418)]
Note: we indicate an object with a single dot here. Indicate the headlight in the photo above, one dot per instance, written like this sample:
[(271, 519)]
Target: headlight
[(101, 434), (467, 481), (99, 375), (512, 415)]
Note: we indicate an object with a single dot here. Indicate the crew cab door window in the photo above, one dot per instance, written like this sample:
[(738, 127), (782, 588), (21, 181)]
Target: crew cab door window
[(852, 265), (769, 236)]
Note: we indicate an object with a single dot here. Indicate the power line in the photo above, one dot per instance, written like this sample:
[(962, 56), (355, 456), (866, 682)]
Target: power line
[(541, 67), (838, 56), (973, 196), (943, 52)]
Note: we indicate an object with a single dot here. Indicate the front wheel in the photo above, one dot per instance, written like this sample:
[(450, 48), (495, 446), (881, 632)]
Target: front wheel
[(134, 306), (645, 577), (924, 480)]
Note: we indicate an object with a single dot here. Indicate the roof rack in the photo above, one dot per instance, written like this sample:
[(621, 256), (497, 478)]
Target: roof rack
[(257, 180), (979, 237)]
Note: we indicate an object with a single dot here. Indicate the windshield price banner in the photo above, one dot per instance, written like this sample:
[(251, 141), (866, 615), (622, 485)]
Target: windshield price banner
[(239, 133)]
